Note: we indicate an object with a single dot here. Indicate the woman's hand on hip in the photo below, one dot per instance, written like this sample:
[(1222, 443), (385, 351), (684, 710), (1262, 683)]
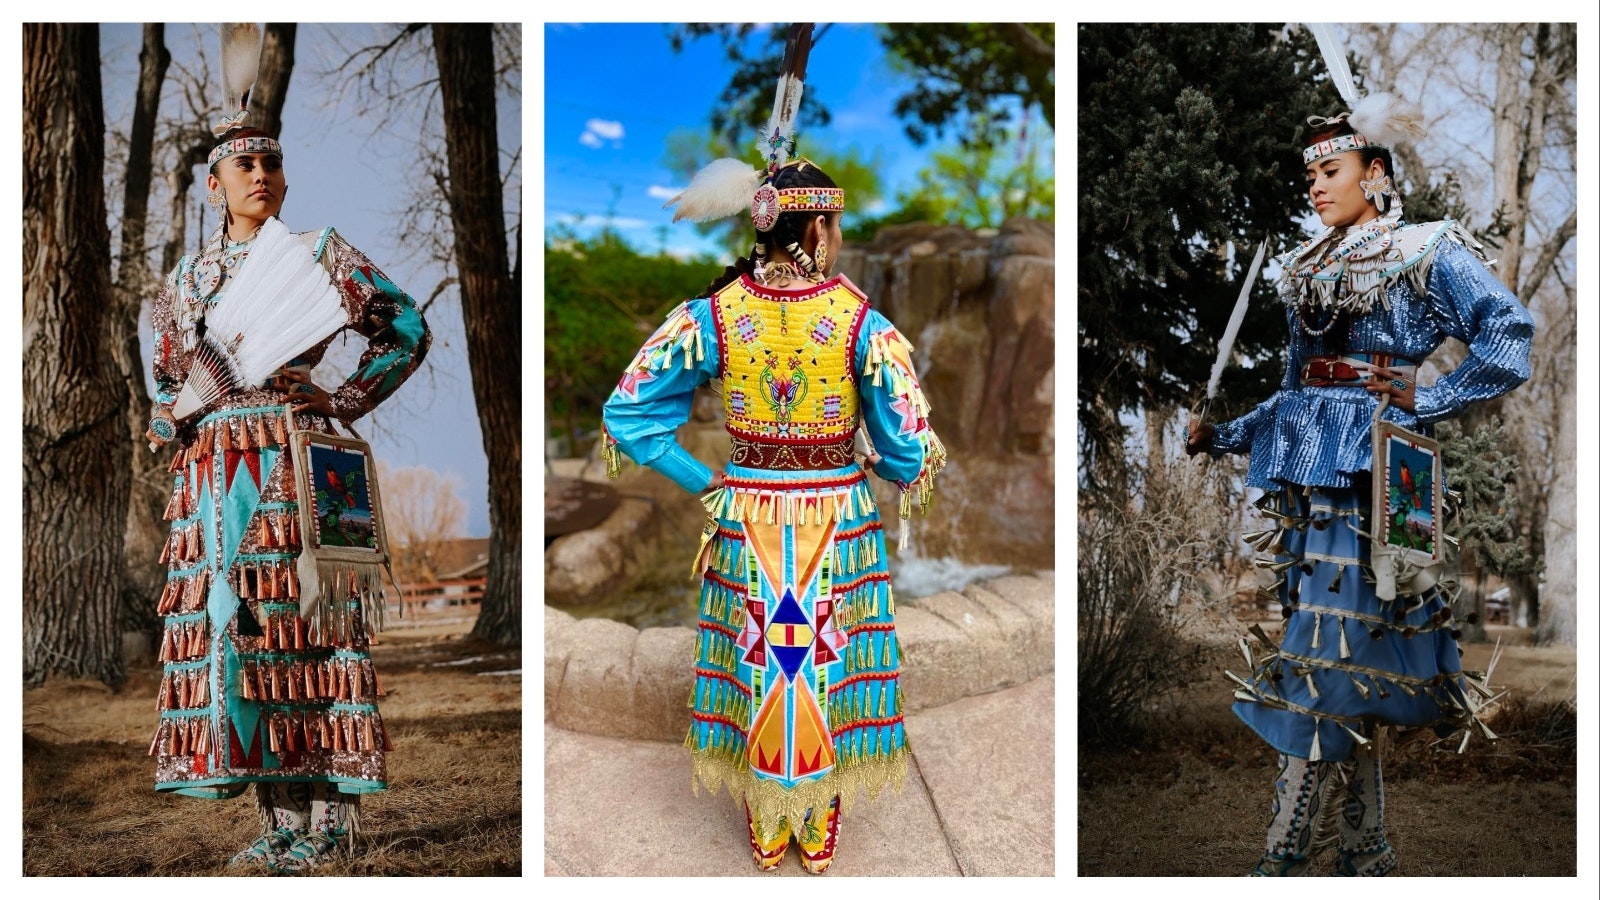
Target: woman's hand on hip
[(302, 394), (717, 481), (1399, 387)]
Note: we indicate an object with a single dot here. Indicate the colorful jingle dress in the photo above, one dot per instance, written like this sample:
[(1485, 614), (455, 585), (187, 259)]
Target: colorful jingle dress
[(796, 696), (248, 694), (1348, 659)]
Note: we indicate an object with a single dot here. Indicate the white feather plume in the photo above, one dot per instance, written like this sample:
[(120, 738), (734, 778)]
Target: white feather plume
[(281, 304), (778, 138), (241, 62), (1385, 118), (1333, 56), (723, 188), (1225, 347)]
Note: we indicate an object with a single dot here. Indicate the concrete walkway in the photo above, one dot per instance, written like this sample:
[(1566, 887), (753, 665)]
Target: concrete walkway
[(979, 799)]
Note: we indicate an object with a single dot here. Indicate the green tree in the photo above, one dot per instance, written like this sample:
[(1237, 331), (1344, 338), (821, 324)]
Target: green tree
[(1189, 140), (1483, 466), (964, 68), (958, 69), (602, 299), (979, 185)]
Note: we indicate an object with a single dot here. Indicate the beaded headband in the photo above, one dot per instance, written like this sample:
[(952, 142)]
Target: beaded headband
[(1338, 144), (257, 144), (770, 202)]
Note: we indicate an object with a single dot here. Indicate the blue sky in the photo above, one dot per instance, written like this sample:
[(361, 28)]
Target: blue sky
[(614, 92), (344, 170)]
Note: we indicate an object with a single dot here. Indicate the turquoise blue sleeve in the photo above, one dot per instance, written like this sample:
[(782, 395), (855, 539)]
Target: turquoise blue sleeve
[(893, 408), (656, 395)]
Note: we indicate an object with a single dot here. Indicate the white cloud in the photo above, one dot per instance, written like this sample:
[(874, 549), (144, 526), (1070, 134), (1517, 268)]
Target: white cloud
[(620, 222), (596, 132), (662, 193), (685, 253)]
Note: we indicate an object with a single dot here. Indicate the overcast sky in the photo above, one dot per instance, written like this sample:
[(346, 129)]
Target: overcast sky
[(344, 170)]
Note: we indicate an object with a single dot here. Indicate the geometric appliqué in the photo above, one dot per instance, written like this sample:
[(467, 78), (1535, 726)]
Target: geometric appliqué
[(790, 634)]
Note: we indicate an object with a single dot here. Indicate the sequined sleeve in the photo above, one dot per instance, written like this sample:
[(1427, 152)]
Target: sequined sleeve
[(656, 395), (1236, 435), (895, 413), (1475, 308), (166, 361), (397, 336)]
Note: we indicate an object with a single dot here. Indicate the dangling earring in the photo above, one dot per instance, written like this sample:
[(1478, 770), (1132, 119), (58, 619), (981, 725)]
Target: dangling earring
[(1379, 191), (822, 258), (217, 199)]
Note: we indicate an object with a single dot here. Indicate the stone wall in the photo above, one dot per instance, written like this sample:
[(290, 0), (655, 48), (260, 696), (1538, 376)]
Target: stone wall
[(980, 311)]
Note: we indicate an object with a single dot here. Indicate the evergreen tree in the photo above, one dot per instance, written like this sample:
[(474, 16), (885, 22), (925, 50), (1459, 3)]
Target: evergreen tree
[(1189, 138), (1481, 467)]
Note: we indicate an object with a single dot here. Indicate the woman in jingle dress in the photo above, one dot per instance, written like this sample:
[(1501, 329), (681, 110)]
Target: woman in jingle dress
[(796, 695), (249, 695), (1368, 300)]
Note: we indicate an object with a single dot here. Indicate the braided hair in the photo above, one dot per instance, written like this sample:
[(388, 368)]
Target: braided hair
[(790, 228)]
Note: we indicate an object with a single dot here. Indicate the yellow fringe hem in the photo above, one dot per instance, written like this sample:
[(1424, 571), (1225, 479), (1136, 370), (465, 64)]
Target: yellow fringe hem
[(770, 800)]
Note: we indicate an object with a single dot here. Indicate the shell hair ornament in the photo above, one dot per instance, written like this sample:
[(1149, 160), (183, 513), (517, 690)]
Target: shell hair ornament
[(726, 187)]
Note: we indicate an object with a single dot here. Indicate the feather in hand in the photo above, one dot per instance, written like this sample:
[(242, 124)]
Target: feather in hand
[(281, 304), (1225, 347)]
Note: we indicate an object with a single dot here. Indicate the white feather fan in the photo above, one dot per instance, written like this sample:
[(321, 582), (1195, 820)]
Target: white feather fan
[(281, 304), (724, 187)]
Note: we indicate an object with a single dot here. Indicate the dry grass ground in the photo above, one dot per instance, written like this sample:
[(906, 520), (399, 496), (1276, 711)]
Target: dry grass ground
[(1192, 796), (454, 804)]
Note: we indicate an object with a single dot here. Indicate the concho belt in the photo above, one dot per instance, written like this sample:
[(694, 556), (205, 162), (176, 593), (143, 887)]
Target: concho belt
[(791, 457)]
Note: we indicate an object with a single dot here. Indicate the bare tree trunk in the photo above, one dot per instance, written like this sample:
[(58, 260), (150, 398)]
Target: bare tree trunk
[(74, 446), (1558, 599), (143, 573), (272, 87), (490, 306), (1509, 104)]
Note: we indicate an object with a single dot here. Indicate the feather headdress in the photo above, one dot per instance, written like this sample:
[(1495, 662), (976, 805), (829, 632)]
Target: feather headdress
[(728, 186), (241, 63), (1380, 119), (282, 304)]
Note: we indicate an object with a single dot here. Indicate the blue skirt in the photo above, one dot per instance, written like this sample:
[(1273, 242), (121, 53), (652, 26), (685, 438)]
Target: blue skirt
[(1348, 661)]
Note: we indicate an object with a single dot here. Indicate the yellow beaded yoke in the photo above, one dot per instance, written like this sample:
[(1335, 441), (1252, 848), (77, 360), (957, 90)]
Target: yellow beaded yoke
[(786, 369)]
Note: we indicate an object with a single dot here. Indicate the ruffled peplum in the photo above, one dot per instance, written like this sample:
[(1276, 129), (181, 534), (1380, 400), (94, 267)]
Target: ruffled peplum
[(1318, 437)]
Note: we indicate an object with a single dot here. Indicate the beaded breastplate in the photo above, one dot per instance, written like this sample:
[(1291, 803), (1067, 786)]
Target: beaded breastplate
[(787, 369)]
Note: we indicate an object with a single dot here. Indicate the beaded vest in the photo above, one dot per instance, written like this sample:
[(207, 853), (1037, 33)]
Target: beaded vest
[(787, 366)]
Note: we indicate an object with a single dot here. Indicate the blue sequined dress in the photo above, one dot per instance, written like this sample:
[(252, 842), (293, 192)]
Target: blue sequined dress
[(1349, 660)]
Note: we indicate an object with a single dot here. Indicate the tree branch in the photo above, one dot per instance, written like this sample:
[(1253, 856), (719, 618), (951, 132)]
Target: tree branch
[(1031, 42), (1547, 257)]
